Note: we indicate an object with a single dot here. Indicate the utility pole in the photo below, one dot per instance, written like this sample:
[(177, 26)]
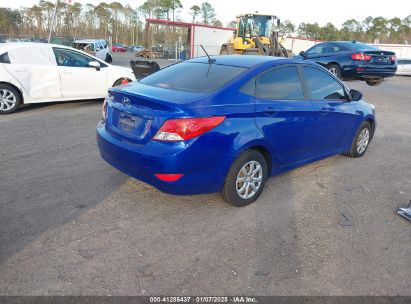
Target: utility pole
[(53, 21)]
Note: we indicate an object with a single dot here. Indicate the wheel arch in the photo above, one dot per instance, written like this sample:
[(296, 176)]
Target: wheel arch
[(371, 120), (266, 154), (263, 149), (120, 79), (16, 88), (333, 62)]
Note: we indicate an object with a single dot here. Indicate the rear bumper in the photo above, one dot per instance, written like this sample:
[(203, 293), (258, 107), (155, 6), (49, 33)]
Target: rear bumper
[(368, 72), (204, 171)]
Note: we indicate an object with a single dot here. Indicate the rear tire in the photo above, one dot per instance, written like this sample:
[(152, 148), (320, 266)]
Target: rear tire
[(246, 179), (10, 99), (374, 82), (335, 70), (361, 141)]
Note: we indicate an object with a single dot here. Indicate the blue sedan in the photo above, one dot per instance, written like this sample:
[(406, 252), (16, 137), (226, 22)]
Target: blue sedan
[(228, 123), (353, 60)]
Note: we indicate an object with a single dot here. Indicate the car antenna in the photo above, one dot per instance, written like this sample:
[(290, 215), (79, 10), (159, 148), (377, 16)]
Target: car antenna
[(210, 60)]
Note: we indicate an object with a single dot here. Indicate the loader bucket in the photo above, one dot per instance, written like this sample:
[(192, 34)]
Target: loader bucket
[(142, 68)]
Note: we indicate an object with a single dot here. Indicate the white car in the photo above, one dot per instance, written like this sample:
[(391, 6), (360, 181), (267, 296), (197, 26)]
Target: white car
[(404, 67), (95, 47), (39, 72)]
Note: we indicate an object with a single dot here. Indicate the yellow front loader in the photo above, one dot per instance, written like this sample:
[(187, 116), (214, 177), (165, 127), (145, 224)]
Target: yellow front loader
[(256, 34)]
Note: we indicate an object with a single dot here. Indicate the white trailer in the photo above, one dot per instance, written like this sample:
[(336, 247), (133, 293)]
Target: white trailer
[(210, 37)]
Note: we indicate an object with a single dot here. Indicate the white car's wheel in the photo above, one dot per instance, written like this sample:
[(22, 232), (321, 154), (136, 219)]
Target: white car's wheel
[(10, 99)]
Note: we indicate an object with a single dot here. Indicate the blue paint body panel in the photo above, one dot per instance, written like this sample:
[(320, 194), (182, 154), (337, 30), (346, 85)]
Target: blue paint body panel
[(296, 134)]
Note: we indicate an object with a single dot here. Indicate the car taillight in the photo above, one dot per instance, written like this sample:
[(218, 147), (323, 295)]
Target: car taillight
[(361, 56), (393, 58), (186, 128)]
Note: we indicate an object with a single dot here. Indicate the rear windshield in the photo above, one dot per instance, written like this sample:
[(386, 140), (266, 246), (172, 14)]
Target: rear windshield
[(83, 46), (193, 77), (358, 46)]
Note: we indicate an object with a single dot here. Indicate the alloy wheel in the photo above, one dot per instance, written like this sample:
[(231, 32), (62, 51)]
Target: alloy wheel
[(362, 141), (249, 179), (7, 100), (334, 71)]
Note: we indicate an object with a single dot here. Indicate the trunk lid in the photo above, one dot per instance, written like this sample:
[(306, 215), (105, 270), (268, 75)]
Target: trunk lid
[(380, 57), (135, 112)]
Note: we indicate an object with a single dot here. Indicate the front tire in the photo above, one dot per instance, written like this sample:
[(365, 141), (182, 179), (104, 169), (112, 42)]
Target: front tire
[(246, 179), (109, 59), (10, 99), (361, 141)]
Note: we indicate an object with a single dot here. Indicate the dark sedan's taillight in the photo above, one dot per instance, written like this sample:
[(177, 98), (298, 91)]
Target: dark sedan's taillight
[(361, 56), (393, 58)]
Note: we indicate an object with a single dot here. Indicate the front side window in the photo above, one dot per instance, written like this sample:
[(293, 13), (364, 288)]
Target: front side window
[(315, 50), (322, 86), (193, 77), (71, 58), (280, 84)]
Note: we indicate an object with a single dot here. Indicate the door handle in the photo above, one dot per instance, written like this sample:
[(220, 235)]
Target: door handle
[(66, 72), (270, 111)]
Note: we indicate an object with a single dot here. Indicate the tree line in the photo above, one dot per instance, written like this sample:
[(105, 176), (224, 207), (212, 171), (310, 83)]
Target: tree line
[(125, 24), (120, 22), (371, 30)]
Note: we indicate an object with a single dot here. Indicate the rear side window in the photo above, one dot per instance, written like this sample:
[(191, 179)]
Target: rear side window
[(32, 55), (249, 88), (193, 77), (83, 46), (4, 58), (280, 84), (322, 86), (358, 46)]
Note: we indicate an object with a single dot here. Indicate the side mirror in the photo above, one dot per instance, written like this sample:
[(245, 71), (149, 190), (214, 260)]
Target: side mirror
[(94, 64), (302, 53), (355, 95)]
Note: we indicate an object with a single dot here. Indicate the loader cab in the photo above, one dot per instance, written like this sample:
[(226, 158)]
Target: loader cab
[(254, 25)]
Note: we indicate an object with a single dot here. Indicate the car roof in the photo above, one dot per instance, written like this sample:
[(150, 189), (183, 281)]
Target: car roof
[(87, 40), (5, 47), (248, 61)]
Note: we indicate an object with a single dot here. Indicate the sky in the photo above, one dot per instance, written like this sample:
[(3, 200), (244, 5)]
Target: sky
[(297, 11)]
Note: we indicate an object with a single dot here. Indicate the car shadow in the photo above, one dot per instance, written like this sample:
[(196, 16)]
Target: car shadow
[(51, 171), (49, 105)]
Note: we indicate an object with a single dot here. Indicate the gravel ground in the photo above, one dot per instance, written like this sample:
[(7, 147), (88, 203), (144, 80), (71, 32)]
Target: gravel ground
[(72, 225)]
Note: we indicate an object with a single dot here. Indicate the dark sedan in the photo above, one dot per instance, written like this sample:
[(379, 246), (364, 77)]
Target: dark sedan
[(353, 60)]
